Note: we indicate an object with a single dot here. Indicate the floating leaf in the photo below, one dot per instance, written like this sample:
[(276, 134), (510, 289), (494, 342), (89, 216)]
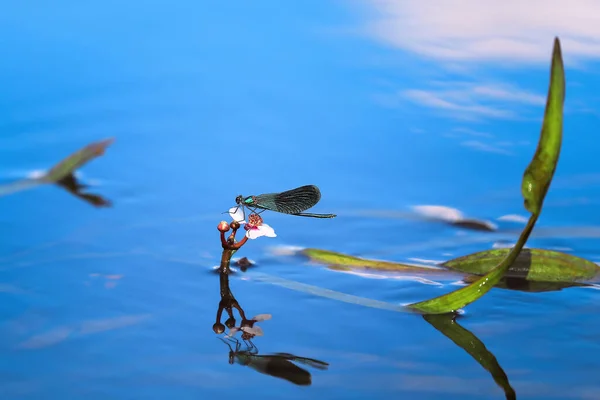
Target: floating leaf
[(536, 182), (534, 265), (467, 341), (531, 264), (76, 160), (342, 261)]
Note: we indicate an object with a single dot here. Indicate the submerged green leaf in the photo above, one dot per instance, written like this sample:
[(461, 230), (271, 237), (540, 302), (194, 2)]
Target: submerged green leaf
[(76, 160), (524, 285), (536, 182)]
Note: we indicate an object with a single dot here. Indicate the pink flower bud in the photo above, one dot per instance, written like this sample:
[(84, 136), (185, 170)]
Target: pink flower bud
[(223, 226)]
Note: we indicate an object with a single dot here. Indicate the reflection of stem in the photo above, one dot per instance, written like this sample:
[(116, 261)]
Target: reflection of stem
[(466, 340), (228, 301)]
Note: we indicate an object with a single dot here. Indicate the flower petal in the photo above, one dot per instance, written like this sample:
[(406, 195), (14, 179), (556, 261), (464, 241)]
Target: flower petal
[(233, 331), (237, 214), (253, 233), (263, 230), (267, 230), (262, 317), (254, 330)]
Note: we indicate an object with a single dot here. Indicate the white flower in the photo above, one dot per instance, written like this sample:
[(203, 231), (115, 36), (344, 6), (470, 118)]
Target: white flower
[(261, 317), (249, 327), (255, 227), (237, 214), (258, 231)]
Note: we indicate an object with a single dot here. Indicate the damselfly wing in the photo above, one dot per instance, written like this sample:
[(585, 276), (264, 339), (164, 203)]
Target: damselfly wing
[(292, 202), (278, 365)]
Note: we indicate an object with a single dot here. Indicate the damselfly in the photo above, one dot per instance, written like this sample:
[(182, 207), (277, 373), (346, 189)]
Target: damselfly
[(292, 202), (279, 365)]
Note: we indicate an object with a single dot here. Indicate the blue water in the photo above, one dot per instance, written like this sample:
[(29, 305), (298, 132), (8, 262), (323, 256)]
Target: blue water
[(210, 101)]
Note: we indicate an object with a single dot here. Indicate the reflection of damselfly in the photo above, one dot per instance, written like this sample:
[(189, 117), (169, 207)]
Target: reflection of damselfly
[(279, 365), (292, 202)]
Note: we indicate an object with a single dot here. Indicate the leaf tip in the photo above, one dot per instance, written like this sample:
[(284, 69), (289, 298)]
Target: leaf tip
[(557, 48)]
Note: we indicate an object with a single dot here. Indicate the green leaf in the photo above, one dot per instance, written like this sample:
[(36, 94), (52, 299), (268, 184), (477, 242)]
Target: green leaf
[(534, 265), (536, 182), (531, 264), (539, 173), (470, 343), (76, 161), (343, 261)]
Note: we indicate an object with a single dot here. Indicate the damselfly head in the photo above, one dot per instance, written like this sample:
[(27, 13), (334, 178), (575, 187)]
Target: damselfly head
[(231, 351)]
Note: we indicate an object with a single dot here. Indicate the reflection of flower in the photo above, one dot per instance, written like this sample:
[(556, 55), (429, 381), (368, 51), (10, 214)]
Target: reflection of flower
[(247, 327), (255, 227)]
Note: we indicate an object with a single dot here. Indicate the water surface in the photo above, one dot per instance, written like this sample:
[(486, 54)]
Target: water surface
[(207, 102)]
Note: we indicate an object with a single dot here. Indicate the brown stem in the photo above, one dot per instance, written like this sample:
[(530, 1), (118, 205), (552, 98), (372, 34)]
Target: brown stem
[(233, 233), (223, 241), (239, 244), (226, 260)]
